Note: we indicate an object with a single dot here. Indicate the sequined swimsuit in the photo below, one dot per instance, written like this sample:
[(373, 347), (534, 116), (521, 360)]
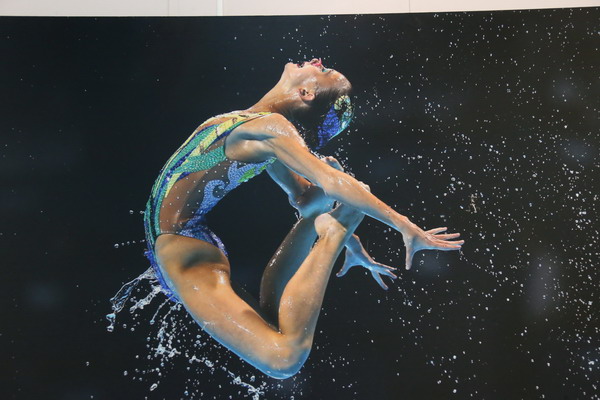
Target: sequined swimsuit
[(193, 181)]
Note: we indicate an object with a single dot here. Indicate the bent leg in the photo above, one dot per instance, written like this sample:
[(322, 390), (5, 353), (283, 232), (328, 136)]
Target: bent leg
[(283, 265), (302, 298), (311, 201), (199, 273)]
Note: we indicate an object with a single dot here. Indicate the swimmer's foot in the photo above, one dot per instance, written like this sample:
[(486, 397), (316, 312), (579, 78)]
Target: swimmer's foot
[(341, 221)]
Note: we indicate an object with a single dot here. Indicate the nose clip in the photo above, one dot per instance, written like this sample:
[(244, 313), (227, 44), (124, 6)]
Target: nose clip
[(316, 62)]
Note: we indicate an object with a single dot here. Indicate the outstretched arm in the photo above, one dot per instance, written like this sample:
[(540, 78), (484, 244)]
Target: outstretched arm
[(287, 146), (291, 151), (275, 136)]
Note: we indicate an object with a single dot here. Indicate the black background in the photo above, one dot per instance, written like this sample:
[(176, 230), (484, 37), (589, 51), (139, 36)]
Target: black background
[(483, 122)]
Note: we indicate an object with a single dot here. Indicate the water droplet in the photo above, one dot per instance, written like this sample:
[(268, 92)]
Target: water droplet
[(111, 318)]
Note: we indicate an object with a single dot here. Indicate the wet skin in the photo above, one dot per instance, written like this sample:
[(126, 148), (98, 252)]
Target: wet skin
[(275, 334)]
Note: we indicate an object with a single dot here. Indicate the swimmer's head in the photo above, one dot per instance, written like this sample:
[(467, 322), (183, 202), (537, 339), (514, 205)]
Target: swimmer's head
[(324, 108)]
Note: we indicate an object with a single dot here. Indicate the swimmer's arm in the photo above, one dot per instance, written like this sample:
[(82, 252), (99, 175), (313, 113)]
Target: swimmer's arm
[(291, 183), (276, 137), (288, 147)]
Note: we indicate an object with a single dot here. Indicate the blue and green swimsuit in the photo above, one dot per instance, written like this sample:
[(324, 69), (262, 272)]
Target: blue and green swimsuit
[(193, 181)]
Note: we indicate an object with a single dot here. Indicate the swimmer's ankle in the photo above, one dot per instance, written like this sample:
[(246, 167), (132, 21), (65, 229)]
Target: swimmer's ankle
[(341, 221), (327, 226), (312, 202), (348, 216)]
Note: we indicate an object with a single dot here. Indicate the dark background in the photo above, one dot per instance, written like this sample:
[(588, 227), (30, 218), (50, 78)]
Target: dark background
[(484, 122)]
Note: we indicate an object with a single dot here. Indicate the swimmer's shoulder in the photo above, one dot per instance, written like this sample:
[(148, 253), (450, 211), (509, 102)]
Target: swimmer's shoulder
[(236, 116), (216, 120), (255, 139), (264, 127)]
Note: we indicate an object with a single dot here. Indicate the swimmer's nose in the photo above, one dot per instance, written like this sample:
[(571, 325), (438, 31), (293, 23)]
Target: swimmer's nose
[(316, 62)]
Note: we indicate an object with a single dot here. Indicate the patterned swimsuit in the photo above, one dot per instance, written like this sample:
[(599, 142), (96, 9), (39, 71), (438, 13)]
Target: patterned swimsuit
[(192, 182)]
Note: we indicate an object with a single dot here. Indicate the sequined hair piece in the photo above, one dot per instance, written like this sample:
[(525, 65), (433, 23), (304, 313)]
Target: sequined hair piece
[(336, 120)]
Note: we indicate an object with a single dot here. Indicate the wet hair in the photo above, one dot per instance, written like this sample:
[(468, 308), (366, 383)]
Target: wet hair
[(329, 114)]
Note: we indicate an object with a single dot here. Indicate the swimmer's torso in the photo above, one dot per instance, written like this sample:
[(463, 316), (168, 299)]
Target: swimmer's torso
[(196, 177)]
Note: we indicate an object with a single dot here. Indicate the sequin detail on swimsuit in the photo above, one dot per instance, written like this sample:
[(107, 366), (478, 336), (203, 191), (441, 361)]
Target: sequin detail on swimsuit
[(194, 179)]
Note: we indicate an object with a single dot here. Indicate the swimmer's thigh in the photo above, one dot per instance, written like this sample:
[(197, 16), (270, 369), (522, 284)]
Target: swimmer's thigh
[(199, 274)]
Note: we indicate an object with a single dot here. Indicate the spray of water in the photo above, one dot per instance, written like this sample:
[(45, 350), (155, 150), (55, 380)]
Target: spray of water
[(173, 339)]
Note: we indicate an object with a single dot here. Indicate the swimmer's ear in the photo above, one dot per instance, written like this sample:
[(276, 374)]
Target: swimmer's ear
[(306, 95)]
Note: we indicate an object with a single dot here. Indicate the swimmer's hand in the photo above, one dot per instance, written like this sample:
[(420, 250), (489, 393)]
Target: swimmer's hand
[(357, 255), (414, 237), (418, 239)]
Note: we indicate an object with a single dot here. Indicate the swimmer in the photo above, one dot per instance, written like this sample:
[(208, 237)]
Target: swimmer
[(275, 333)]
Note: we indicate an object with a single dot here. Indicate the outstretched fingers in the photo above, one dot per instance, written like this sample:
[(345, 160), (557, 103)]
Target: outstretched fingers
[(432, 239), (345, 268), (444, 245), (376, 269), (440, 241), (436, 230), (350, 260), (447, 236), (378, 279), (409, 257), (383, 269)]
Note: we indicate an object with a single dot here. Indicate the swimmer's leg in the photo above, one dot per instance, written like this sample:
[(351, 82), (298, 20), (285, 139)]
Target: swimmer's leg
[(199, 273), (302, 298), (284, 264), (311, 202)]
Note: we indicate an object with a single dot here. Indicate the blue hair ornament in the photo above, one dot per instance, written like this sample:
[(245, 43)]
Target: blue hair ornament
[(336, 120)]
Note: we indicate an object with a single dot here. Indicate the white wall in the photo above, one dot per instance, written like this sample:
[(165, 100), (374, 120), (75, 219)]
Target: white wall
[(266, 7)]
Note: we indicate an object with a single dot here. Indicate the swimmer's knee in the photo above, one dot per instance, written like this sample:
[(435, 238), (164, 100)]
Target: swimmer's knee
[(285, 362), (283, 370), (282, 373)]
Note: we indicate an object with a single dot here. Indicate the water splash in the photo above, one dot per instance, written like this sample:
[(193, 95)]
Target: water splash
[(177, 337), (120, 298)]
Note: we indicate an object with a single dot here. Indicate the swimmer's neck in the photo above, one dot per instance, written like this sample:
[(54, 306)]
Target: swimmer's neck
[(281, 99)]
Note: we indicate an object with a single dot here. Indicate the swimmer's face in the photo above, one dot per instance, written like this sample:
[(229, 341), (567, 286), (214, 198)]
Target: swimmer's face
[(313, 74)]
